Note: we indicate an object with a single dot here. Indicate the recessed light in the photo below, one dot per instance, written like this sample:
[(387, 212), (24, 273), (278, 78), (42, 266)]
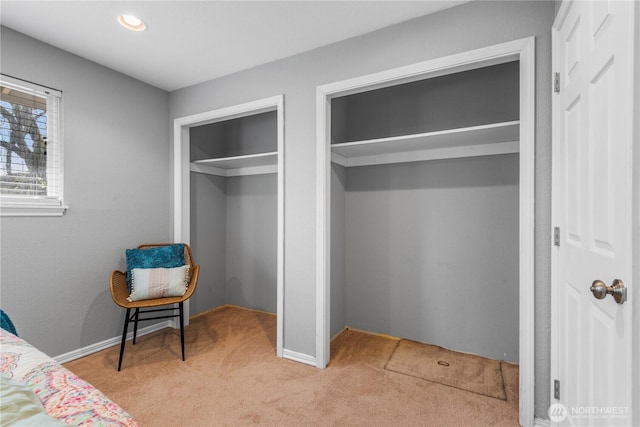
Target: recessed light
[(132, 22)]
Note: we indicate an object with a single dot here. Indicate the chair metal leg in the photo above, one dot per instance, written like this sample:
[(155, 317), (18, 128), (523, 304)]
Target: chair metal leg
[(181, 305), (135, 325), (124, 337)]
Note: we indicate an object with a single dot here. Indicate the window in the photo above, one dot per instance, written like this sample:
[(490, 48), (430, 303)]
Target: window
[(30, 149)]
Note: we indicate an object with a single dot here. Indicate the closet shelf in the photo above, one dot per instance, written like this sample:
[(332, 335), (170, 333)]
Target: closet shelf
[(495, 138), (250, 164)]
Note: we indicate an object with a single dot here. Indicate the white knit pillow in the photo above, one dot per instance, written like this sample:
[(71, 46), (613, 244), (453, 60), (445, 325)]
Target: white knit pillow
[(148, 283)]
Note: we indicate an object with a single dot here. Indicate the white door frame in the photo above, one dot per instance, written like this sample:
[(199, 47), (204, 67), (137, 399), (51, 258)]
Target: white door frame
[(522, 50), (182, 182)]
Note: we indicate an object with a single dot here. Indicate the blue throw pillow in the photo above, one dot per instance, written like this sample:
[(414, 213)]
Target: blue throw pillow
[(169, 256), (6, 323)]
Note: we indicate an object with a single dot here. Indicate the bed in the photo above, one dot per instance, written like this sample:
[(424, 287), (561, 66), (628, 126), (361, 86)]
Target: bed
[(37, 390)]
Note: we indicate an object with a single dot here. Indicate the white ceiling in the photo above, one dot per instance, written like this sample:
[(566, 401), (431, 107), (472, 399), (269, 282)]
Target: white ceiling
[(188, 42)]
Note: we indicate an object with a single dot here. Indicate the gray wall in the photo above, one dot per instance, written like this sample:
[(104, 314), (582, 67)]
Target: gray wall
[(55, 271), (338, 297), (252, 134), (469, 26), (252, 241), (429, 241), (470, 98), (209, 240)]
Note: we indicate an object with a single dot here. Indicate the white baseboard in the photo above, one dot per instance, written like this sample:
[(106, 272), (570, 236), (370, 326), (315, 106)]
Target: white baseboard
[(541, 422), (298, 357), (85, 351)]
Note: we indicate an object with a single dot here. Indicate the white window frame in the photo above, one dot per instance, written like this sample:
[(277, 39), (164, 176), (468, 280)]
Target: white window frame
[(50, 205)]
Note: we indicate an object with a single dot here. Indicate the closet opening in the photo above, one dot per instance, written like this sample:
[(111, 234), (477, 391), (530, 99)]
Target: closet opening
[(425, 190), (427, 250), (232, 206)]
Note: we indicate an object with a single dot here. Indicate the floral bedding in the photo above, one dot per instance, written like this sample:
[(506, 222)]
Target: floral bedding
[(64, 396)]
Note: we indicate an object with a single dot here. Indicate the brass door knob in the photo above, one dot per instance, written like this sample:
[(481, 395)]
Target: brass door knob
[(617, 290)]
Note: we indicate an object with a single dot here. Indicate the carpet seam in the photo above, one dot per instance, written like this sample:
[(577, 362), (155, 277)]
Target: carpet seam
[(390, 356), (447, 385), (504, 386)]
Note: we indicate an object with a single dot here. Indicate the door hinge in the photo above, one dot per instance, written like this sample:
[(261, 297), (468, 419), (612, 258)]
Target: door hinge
[(556, 236), (556, 389), (556, 82)]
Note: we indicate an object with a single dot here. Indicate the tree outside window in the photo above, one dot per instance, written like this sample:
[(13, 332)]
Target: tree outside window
[(23, 143), (30, 147)]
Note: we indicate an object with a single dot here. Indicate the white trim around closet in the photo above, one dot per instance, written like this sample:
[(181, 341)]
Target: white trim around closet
[(181, 181), (522, 50)]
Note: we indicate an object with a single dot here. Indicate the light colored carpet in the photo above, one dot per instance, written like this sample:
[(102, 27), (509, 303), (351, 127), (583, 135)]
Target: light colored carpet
[(464, 371), (232, 377)]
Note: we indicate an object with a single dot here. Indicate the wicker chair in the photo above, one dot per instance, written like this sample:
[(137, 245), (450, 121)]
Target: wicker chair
[(120, 292)]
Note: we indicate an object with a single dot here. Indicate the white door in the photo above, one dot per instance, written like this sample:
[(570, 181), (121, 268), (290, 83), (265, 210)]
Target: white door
[(592, 206)]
